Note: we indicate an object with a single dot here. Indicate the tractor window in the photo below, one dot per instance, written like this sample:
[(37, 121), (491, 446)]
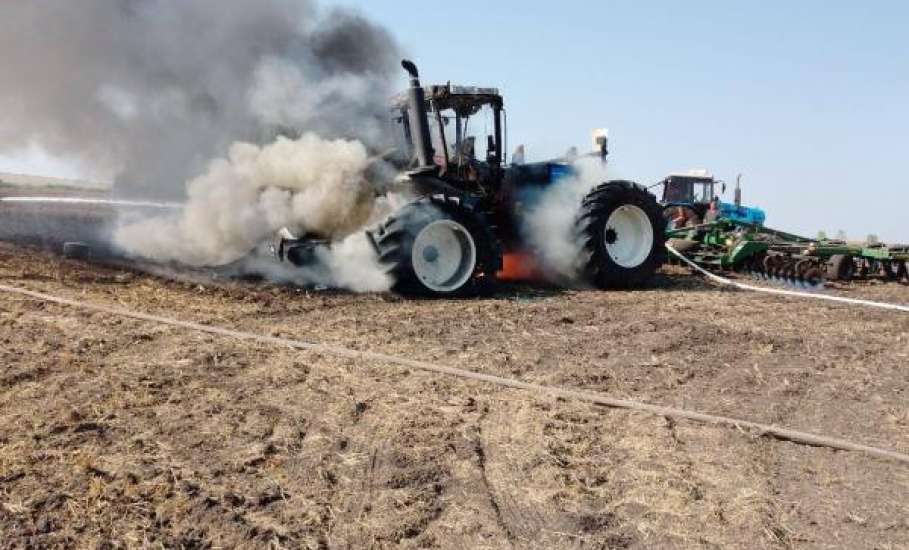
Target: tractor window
[(704, 192), (400, 140), (478, 127), (448, 124), (474, 131), (683, 190), (677, 191)]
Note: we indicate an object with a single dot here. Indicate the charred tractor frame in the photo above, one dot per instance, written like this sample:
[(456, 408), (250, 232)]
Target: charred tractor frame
[(470, 206)]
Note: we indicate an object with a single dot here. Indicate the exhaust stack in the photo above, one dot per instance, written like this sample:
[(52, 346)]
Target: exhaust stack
[(417, 116)]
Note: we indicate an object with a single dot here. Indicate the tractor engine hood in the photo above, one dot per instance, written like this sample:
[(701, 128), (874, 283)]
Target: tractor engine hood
[(742, 214)]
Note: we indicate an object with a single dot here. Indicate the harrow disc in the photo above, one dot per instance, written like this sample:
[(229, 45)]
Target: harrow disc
[(891, 270), (756, 266), (809, 273), (840, 268), (772, 266), (789, 272)]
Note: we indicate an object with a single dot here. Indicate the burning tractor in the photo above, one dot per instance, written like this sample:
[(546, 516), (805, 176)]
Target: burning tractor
[(470, 209)]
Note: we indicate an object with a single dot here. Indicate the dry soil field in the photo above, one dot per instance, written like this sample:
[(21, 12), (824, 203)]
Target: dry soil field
[(117, 433)]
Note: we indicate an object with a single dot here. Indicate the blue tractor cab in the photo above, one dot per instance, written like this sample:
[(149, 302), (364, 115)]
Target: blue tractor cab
[(687, 199)]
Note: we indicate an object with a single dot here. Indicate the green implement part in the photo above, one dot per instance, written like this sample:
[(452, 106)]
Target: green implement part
[(743, 251), (731, 245)]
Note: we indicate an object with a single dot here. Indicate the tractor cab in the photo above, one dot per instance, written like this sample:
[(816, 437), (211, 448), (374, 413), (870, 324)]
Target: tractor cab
[(692, 198), (695, 189), (456, 133), (454, 137), (687, 197)]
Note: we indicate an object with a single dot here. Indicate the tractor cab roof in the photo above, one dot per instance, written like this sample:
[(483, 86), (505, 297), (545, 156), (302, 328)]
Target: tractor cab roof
[(692, 175), (464, 100), (702, 175)]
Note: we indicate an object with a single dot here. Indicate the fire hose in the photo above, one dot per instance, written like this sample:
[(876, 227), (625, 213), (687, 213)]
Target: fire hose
[(763, 430)]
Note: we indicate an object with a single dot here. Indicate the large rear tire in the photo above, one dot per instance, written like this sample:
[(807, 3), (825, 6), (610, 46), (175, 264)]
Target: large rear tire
[(438, 247), (624, 234)]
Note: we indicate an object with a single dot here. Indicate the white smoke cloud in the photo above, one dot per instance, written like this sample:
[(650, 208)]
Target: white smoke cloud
[(308, 185), (550, 224), (350, 263)]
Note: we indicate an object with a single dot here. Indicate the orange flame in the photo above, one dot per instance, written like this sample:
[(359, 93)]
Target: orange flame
[(519, 266)]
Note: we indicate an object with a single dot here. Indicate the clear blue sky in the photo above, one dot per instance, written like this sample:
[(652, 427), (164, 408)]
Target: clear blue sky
[(807, 98)]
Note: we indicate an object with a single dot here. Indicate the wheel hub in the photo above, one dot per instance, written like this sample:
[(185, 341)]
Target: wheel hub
[(430, 254), (444, 256), (628, 236)]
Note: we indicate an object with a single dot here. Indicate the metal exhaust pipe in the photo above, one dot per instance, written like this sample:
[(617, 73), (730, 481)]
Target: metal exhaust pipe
[(418, 117)]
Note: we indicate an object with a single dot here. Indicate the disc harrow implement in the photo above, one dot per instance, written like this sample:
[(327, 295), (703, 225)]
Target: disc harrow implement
[(776, 256)]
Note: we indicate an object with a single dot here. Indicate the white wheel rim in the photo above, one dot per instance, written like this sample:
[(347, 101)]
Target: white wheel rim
[(444, 256), (628, 236)]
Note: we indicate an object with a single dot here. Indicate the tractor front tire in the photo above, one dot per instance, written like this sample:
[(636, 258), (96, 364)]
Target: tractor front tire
[(623, 231)]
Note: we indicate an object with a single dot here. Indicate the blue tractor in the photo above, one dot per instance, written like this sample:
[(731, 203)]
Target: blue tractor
[(692, 198), (470, 205)]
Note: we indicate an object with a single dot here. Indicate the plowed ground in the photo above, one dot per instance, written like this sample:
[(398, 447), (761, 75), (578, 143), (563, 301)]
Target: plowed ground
[(116, 433)]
